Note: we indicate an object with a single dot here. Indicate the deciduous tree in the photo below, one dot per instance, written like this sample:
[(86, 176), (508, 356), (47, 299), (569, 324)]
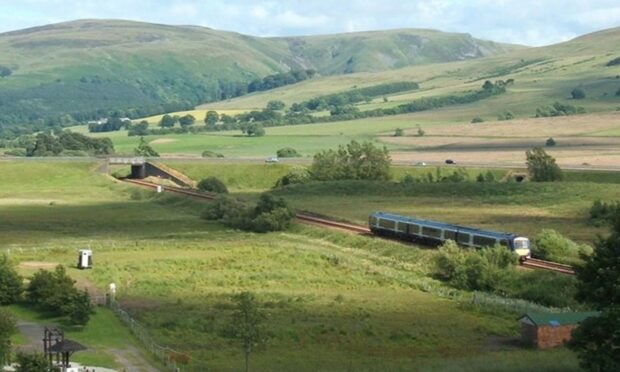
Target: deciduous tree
[(247, 325), (597, 339), (541, 166)]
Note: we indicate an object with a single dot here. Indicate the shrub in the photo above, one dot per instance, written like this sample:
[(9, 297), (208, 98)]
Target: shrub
[(355, 161), (296, 175), (420, 132), (508, 115), (603, 213), (408, 180), (493, 270), (550, 142), (15, 152), (477, 119), (618, 93), (399, 132), (558, 109), (212, 184), (269, 214), (488, 176), (287, 152), (10, 282), (614, 62), (275, 105), (541, 166), (79, 308), (211, 154), (578, 93), (551, 245), (55, 292), (7, 329), (144, 149), (35, 362), (473, 270)]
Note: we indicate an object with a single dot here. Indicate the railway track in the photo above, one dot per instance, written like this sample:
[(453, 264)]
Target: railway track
[(535, 263), (532, 263), (304, 217)]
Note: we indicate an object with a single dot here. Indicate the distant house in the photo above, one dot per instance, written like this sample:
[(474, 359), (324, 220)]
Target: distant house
[(546, 330), (98, 122)]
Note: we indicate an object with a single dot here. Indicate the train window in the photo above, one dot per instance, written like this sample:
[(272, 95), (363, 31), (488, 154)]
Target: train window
[(402, 227), (373, 221), (431, 231), (483, 241), (447, 234), (463, 238), (387, 224), (414, 229)]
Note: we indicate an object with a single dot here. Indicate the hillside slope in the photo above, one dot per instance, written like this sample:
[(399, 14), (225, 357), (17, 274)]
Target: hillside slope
[(88, 67)]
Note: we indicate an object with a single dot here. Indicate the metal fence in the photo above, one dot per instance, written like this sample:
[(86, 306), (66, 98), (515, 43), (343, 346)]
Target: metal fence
[(172, 359)]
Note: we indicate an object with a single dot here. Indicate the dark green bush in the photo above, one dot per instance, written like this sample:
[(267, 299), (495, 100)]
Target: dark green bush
[(10, 282), (602, 213), (211, 154), (551, 245), (269, 214), (212, 184), (8, 327), (494, 270), (578, 93), (55, 292), (508, 115), (296, 175), (477, 119), (15, 152), (35, 362), (287, 152), (614, 62), (558, 109), (358, 161), (550, 142), (399, 132), (487, 176)]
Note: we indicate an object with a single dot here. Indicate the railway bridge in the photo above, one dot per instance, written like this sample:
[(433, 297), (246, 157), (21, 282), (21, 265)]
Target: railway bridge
[(141, 168)]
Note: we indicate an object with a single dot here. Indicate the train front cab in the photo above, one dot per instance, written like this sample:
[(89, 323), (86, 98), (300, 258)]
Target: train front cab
[(521, 246)]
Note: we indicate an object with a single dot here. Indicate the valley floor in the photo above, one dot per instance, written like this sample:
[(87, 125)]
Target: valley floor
[(334, 301)]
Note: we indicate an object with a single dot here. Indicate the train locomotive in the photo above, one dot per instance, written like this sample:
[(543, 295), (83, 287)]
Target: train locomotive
[(432, 232)]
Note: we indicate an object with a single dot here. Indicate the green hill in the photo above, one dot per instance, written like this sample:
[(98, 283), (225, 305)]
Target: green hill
[(88, 67)]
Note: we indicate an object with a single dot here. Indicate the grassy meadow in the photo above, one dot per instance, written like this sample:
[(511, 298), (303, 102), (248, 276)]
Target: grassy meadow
[(334, 301), (544, 79)]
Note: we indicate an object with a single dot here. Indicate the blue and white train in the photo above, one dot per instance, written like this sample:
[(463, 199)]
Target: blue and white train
[(415, 229)]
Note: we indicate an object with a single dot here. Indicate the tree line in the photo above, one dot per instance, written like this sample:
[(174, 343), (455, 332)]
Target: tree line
[(269, 117), (65, 144)]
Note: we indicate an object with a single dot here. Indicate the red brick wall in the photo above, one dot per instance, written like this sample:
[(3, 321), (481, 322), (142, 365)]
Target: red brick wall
[(548, 336)]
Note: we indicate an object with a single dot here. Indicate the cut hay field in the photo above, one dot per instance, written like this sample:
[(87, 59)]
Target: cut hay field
[(334, 301)]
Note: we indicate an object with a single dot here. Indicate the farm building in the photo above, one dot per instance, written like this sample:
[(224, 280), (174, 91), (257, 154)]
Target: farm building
[(545, 330)]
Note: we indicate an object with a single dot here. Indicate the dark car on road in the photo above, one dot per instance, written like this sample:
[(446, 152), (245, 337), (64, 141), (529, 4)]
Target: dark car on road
[(449, 161)]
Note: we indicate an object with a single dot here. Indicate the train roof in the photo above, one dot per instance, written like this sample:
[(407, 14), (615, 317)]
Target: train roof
[(443, 225)]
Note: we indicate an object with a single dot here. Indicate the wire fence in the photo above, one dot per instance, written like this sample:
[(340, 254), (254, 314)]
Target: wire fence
[(172, 359)]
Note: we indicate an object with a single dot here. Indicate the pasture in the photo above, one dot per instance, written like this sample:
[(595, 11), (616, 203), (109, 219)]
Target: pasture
[(541, 76), (334, 301)]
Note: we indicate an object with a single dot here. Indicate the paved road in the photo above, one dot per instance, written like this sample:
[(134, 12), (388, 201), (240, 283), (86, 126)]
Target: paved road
[(260, 160)]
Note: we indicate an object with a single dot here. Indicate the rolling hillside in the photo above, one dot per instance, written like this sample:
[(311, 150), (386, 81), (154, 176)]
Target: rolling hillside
[(88, 67)]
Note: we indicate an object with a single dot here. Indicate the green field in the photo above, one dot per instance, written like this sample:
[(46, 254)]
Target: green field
[(542, 76), (334, 301)]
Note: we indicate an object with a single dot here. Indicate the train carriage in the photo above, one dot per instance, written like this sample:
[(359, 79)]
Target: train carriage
[(433, 232)]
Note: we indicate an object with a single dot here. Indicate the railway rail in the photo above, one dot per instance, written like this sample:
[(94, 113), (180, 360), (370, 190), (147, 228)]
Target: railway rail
[(531, 263), (535, 263)]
